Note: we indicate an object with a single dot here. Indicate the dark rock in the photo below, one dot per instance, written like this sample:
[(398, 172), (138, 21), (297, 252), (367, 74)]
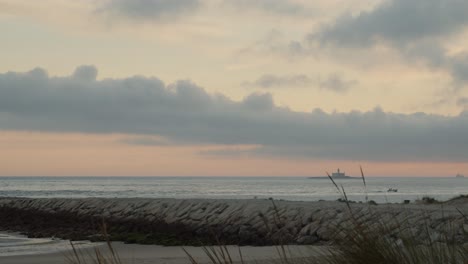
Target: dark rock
[(308, 240)]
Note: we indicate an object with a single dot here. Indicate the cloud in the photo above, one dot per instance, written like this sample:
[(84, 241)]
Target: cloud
[(463, 101), (282, 7), (337, 84), (259, 102), (148, 141), (185, 113), (274, 81), (399, 21), (276, 42), (85, 73), (417, 28), (435, 56), (149, 9), (333, 82)]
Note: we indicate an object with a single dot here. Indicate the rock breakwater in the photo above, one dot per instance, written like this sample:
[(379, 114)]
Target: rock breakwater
[(203, 221)]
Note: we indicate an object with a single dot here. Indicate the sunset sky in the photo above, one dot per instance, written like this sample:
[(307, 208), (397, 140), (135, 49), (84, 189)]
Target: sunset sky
[(233, 87)]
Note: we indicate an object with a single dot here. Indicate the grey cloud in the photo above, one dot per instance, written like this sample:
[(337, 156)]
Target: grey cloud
[(436, 57), (333, 82), (459, 68), (271, 42), (259, 102), (149, 9), (85, 73), (416, 28), (275, 41), (185, 113), (285, 7), (296, 48), (397, 153), (148, 141), (463, 101), (273, 81), (398, 21), (337, 84)]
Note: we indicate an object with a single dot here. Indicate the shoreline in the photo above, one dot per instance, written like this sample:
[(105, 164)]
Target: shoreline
[(142, 254), (196, 222)]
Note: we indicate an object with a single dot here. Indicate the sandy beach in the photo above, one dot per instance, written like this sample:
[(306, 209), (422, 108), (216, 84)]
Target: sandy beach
[(143, 254)]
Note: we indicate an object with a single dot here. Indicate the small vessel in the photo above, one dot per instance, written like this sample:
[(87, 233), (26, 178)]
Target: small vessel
[(459, 176), (392, 190)]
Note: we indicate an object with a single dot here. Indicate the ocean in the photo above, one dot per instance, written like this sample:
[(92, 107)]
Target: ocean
[(286, 188)]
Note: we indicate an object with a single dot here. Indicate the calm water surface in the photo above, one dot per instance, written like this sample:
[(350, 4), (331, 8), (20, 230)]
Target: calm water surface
[(287, 188)]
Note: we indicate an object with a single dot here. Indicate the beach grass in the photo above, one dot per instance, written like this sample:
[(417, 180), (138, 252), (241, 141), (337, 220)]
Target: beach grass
[(388, 243), (391, 242), (111, 256)]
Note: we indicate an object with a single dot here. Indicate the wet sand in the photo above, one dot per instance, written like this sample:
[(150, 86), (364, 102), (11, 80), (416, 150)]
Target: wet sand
[(145, 254)]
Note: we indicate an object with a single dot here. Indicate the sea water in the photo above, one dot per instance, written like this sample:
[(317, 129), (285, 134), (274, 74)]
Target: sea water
[(286, 188)]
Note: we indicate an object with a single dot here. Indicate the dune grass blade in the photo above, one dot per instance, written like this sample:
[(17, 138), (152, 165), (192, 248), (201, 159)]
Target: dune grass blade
[(78, 257), (365, 185), (334, 183), (241, 257), (346, 199), (462, 214), (112, 257), (75, 257), (190, 257)]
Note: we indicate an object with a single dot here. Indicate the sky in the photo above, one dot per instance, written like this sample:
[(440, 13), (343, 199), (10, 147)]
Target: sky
[(233, 87)]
